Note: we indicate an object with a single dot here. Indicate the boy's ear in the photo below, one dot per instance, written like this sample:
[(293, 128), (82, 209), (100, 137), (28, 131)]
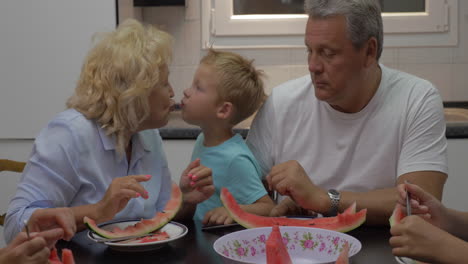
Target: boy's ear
[(225, 110)]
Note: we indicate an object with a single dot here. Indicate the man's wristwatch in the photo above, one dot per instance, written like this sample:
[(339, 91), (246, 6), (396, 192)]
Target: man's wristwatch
[(334, 201)]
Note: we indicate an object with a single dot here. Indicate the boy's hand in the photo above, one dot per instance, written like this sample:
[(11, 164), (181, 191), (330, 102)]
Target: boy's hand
[(217, 216), (196, 183)]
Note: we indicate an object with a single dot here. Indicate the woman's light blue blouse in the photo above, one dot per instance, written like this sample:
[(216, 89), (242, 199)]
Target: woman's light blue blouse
[(73, 162)]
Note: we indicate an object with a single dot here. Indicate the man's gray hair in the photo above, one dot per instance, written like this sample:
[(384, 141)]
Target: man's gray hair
[(363, 17)]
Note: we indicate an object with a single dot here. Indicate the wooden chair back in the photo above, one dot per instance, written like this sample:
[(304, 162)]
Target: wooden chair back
[(14, 166)]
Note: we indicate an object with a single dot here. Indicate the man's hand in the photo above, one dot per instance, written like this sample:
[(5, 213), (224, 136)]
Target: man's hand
[(289, 178)]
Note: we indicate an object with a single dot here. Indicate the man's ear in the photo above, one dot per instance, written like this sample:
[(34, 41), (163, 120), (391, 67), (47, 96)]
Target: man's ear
[(225, 110), (371, 51)]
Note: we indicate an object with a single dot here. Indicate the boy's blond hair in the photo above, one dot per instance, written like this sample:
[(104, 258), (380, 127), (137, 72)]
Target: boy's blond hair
[(239, 83)]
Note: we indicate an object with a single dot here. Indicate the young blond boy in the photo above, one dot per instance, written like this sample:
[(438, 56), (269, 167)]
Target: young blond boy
[(226, 90)]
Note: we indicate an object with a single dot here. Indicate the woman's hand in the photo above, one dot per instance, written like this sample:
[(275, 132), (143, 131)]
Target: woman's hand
[(119, 192), (217, 216), (196, 183), (49, 218), (32, 250), (420, 240)]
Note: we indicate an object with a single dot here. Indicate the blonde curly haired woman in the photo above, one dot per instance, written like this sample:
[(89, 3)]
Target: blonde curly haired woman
[(103, 157)]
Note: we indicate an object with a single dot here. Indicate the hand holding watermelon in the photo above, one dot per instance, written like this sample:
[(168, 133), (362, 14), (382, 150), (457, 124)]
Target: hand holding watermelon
[(196, 183), (119, 192), (416, 238), (424, 205), (30, 250)]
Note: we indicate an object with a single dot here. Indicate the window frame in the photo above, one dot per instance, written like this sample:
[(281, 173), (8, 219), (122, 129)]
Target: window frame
[(220, 28)]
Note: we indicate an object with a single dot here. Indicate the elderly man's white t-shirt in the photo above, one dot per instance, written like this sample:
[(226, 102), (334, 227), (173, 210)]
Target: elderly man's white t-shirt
[(401, 130)]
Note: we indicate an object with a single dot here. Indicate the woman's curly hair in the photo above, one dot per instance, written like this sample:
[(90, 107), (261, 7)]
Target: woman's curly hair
[(118, 76)]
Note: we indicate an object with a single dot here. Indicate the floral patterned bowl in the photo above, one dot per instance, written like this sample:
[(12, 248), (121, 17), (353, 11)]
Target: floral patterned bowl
[(305, 245)]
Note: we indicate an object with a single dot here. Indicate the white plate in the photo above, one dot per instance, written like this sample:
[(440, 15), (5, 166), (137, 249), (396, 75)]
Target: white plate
[(173, 229), (304, 244), (405, 260)]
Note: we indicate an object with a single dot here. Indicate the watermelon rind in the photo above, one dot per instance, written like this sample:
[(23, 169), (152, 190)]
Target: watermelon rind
[(344, 222), (144, 226)]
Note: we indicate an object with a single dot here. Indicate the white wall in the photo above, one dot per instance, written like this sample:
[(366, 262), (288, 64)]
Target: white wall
[(42, 48)]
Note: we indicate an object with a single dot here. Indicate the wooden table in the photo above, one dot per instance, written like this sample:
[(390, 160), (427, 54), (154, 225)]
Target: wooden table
[(197, 247)]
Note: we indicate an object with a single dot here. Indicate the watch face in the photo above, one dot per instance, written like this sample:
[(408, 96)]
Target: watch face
[(333, 192)]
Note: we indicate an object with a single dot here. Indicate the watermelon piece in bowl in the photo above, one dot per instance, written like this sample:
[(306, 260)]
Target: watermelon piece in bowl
[(304, 245), (276, 250)]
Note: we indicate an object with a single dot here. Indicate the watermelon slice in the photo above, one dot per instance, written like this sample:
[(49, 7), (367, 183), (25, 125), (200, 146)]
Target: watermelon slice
[(397, 215), (145, 226), (343, 258), (276, 251), (344, 222), (67, 256), (53, 257)]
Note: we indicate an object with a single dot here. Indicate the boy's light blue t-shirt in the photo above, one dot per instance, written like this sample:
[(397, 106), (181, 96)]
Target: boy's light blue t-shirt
[(233, 166)]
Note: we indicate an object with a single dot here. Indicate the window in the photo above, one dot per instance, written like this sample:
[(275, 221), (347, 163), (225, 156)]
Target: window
[(281, 23)]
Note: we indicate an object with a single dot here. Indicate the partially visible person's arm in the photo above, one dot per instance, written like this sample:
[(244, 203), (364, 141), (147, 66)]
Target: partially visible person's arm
[(458, 224), (33, 250), (420, 240), (432, 210)]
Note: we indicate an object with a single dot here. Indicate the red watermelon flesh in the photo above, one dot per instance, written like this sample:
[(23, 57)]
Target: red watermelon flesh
[(397, 215), (67, 257), (53, 257), (342, 222), (343, 258), (276, 251), (145, 226)]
